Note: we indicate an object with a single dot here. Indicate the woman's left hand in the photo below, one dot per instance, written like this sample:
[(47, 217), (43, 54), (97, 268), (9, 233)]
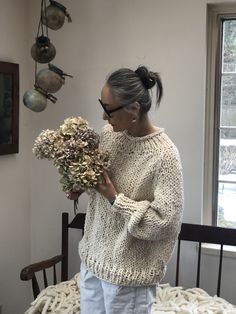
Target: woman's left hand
[(106, 187)]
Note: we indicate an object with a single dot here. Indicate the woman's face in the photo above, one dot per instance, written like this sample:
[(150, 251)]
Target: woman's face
[(121, 119)]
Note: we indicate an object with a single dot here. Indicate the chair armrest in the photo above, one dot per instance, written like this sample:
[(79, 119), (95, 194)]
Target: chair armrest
[(27, 272)]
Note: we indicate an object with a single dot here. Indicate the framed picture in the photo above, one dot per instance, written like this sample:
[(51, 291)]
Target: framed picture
[(9, 108)]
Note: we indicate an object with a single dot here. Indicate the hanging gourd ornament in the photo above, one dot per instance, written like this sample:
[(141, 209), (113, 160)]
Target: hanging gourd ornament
[(54, 15), (51, 79), (36, 99), (43, 51)]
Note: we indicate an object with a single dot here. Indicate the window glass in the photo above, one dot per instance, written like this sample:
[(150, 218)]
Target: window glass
[(226, 198)]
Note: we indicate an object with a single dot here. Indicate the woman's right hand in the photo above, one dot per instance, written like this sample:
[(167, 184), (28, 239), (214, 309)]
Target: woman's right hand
[(74, 195)]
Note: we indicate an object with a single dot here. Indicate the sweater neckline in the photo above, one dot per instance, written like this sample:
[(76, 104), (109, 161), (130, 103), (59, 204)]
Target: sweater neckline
[(142, 138)]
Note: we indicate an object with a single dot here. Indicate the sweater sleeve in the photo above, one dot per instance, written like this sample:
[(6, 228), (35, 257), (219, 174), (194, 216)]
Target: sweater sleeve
[(161, 217)]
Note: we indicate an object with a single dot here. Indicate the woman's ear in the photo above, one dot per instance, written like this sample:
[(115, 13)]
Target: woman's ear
[(135, 107)]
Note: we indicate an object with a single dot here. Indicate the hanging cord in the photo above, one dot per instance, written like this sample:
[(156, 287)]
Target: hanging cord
[(35, 71), (45, 15), (42, 13), (40, 20), (42, 26)]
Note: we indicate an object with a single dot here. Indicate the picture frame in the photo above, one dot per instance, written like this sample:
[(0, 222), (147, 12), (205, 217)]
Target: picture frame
[(9, 108)]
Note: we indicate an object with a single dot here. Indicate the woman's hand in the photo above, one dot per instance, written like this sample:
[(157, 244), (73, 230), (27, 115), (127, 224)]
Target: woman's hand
[(74, 195), (106, 187)]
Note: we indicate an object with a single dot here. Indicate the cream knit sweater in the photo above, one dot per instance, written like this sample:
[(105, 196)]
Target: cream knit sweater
[(131, 242)]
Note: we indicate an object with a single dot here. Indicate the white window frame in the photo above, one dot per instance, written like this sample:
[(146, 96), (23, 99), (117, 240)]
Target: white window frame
[(215, 12)]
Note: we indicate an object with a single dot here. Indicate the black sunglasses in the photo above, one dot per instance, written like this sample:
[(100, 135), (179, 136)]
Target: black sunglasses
[(108, 112)]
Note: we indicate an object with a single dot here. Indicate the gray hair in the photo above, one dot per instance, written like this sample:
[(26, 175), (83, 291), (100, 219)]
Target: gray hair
[(130, 86)]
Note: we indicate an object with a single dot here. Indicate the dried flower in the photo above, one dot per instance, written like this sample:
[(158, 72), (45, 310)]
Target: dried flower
[(73, 148), (44, 146)]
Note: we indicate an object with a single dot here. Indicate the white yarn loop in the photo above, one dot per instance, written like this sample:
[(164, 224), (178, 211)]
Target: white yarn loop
[(62, 298), (173, 300)]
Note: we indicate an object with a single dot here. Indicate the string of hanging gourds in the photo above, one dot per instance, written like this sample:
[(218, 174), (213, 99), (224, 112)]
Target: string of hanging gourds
[(48, 80)]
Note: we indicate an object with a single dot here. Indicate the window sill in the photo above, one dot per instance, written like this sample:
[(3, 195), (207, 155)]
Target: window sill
[(214, 249)]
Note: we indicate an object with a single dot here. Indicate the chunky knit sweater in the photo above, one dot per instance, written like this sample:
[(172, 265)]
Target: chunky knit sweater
[(130, 242)]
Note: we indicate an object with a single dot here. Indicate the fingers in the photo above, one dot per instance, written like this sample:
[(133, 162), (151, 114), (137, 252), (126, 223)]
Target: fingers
[(106, 177), (72, 196), (68, 195)]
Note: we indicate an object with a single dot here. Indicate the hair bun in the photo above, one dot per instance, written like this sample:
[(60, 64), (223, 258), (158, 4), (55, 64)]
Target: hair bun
[(147, 78)]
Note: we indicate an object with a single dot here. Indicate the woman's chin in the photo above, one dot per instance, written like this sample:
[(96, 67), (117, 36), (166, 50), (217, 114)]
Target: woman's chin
[(116, 128)]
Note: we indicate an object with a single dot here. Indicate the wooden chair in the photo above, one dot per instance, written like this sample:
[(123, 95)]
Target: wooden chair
[(29, 272), (205, 234)]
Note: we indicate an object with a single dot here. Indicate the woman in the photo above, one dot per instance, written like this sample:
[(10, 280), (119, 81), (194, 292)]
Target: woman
[(134, 214)]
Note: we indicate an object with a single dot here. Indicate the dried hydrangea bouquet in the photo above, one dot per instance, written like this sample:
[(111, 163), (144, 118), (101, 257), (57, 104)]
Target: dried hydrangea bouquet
[(74, 150)]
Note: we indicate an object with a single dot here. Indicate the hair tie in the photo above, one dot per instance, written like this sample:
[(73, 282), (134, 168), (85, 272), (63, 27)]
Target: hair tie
[(145, 77)]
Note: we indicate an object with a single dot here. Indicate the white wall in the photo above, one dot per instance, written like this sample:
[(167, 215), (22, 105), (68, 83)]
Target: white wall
[(167, 36), (14, 169)]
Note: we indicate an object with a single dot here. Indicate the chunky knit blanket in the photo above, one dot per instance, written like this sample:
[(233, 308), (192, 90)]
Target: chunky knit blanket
[(173, 300), (64, 298)]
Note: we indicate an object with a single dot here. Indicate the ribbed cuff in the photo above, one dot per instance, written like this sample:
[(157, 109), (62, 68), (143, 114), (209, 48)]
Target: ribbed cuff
[(129, 206)]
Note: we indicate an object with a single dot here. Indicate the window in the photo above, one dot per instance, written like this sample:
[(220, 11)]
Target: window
[(220, 128)]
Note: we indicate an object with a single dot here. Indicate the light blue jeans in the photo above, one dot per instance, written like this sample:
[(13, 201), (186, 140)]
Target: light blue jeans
[(101, 297)]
